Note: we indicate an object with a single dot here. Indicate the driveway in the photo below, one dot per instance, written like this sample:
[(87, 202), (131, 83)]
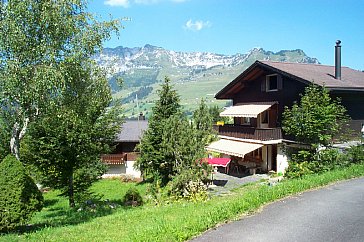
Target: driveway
[(223, 183), (333, 213)]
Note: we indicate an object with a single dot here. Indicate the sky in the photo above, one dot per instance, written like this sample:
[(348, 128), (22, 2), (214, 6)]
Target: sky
[(237, 26)]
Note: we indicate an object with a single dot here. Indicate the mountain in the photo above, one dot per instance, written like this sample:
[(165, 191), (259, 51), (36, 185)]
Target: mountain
[(195, 74)]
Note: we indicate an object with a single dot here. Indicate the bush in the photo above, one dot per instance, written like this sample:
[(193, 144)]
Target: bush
[(190, 184), (298, 169), (330, 159), (19, 196), (133, 198), (325, 160), (155, 192), (355, 154)]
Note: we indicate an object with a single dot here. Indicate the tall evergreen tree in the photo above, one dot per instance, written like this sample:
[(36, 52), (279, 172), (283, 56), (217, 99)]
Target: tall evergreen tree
[(152, 156)]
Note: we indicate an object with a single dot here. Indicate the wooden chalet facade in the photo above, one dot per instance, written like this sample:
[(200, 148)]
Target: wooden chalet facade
[(122, 160), (259, 96)]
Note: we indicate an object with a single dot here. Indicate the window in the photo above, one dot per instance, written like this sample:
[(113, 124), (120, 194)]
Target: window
[(272, 83), (244, 120), (264, 117)]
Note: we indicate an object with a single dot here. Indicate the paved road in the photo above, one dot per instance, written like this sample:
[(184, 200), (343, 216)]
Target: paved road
[(334, 213)]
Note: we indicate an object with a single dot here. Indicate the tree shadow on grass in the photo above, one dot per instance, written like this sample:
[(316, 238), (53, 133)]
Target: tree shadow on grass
[(65, 216)]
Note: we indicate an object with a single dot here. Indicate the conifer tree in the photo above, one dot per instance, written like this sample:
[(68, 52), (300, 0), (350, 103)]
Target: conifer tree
[(152, 156)]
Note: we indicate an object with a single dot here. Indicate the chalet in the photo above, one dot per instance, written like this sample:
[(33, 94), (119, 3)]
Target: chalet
[(259, 96), (122, 160)]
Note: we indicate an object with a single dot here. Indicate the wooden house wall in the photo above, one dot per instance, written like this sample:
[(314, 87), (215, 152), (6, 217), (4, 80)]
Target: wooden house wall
[(289, 93), (123, 147), (353, 102)]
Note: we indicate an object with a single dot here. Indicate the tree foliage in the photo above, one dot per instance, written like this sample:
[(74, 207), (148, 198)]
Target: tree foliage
[(316, 119), (172, 143), (66, 143), (50, 83), (19, 196), (152, 157), (203, 120), (215, 114), (41, 44)]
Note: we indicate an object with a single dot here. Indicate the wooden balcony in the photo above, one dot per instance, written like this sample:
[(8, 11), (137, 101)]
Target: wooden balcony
[(245, 132), (119, 159)]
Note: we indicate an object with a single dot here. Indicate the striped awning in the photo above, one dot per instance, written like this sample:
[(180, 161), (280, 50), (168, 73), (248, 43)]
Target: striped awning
[(250, 110), (233, 147)]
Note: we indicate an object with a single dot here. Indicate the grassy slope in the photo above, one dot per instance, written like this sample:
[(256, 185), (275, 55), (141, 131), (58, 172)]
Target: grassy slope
[(178, 221)]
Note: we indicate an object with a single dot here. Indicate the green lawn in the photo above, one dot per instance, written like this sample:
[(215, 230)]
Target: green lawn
[(170, 222)]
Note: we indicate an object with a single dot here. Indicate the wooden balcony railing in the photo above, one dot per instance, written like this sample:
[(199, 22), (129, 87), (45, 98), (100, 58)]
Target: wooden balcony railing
[(244, 132), (118, 159), (114, 159)]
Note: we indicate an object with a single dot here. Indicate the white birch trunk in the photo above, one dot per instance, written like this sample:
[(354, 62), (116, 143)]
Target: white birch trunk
[(16, 137)]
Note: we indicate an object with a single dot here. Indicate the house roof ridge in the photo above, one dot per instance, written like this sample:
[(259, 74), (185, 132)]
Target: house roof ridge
[(300, 63), (297, 63)]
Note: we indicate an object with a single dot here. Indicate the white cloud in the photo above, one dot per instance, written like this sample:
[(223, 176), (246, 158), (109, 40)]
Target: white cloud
[(197, 25), (127, 3), (146, 2), (121, 3)]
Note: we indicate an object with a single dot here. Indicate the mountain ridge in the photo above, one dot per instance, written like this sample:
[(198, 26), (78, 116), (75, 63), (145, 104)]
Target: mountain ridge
[(195, 75)]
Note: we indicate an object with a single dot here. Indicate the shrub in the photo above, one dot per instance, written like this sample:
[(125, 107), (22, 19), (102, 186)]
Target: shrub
[(133, 198), (154, 190), (355, 154), (325, 160), (19, 195), (330, 159), (298, 169), (195, 191), (190, 184)]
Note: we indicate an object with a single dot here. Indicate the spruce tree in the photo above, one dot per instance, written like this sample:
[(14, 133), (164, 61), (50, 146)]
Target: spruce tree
[(153, 159)]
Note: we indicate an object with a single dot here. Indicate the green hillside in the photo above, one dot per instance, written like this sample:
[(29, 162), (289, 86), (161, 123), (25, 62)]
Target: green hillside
[(195, 75)]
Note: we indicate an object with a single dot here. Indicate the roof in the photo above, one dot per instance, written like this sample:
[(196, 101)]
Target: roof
[(132, 131), (323, 75)]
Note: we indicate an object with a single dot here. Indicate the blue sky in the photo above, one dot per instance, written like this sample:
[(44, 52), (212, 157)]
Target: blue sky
[(236, 26)]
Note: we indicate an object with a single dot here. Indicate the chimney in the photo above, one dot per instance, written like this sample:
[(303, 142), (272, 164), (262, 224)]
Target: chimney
[(141, 116), (338, 60)]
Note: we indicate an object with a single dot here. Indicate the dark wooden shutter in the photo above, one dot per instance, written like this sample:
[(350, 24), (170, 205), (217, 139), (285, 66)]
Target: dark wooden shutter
[(263, 86), (279, 82)]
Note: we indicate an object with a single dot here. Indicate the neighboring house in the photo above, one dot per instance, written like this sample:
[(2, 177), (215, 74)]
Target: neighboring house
[(122, 160), (259, 96)]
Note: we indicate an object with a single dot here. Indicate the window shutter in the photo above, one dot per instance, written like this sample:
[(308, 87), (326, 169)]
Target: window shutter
[(263, 86), (279, 82)]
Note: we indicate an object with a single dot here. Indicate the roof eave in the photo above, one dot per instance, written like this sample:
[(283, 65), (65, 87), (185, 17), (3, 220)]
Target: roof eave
[(220, 94), (346, 89)]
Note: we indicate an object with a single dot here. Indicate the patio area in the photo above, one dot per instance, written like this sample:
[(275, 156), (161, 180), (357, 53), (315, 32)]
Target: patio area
[(223, 183)]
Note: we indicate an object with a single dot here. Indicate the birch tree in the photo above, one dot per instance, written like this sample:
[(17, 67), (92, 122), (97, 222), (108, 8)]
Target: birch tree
[(41, 43)]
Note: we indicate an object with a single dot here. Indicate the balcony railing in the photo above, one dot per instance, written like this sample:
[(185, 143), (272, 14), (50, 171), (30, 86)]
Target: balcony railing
[(119, 159), (243, 132)]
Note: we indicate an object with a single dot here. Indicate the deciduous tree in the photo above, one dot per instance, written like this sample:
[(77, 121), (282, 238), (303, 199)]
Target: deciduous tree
[(41, 44), (316, 119), (66, 143)]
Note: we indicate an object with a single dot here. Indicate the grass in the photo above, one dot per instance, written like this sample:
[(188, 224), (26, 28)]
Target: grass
[(171, 222)]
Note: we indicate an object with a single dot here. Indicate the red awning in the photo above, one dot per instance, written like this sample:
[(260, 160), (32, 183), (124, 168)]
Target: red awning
[(224, 162)]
